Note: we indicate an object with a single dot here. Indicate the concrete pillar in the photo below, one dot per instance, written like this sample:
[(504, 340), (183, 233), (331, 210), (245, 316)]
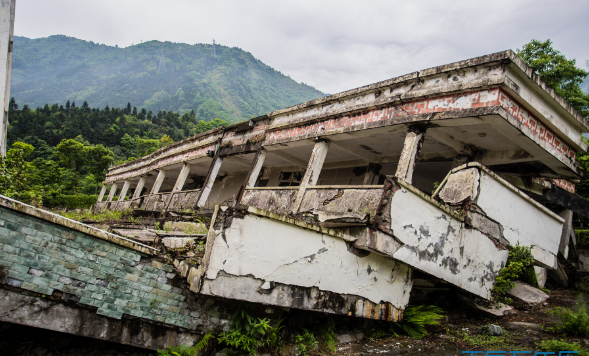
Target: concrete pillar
[(124, 190), (139, 188), (567, 229), (373, 170), (158, 182), (411, 148), (211, 176), (179, 183), (257, 165), (113, 190), (182, 178), (312, 173), (102, 192), (6, 38)]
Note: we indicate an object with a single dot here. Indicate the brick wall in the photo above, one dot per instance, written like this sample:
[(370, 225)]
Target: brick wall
[(51, 259)]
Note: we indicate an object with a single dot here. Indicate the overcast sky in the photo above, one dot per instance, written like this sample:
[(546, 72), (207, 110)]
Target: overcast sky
[(331, 45)]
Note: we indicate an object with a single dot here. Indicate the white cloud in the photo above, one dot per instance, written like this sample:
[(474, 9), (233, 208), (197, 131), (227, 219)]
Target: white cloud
[(333, 46)]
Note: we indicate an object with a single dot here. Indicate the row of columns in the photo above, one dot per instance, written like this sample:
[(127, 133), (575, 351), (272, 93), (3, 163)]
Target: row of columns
[(405, 169)]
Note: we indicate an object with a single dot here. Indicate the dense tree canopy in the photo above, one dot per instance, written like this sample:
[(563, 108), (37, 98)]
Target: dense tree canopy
[(559, 73)]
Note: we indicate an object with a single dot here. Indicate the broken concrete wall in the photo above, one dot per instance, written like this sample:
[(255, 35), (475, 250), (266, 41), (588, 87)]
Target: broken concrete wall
[(259, 259), (225, 189), (66, 280), (436, 240), (341, 205), (489, 199), (278, 200)]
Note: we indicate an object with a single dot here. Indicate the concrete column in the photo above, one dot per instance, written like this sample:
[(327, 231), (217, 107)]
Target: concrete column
[(182, 178), (257, 165), (179, 183), (312, 173), (102, 192), (6, 38), (211, 176), (139, 188), (124, 190), (567, 229), (373, 170), (113, 190), (411, 148), (253, 174), (158, 182)]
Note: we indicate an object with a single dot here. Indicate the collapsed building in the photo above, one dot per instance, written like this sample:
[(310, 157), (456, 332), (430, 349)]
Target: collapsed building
[(335, 205)]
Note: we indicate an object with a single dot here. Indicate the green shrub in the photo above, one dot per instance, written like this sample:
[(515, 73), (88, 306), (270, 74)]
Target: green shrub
[(79, 201), (416, 317), (250, 334), (582, 236), (306, 342), (520, 259), (185, 350), (582, 284), (571, 322), (560, 345)]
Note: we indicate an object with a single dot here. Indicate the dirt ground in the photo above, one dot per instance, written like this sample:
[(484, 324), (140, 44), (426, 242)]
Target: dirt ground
[(460, 331)]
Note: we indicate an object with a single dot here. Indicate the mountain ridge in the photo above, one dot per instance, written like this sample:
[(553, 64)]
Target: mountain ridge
[(232, 85)]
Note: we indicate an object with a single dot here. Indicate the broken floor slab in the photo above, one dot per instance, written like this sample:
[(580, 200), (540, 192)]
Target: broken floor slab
[(527, 294), (493, 205), (263, 260)]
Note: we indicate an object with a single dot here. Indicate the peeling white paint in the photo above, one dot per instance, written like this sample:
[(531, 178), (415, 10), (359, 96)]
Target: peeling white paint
[(439, 244), (273, 251), (522, 221)]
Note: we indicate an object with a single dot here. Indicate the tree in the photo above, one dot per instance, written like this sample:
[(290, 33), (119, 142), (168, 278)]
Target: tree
[(558, 72), (146, 146), (16, 172), (71, 155), (99, 159), (128, 143), (166, 140)]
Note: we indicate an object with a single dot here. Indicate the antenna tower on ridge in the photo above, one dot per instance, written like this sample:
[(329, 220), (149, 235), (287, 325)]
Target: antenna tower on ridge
[(214, 53), (162, 66)]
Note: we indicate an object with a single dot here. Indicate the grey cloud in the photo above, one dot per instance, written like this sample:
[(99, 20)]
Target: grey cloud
[(333, 46)]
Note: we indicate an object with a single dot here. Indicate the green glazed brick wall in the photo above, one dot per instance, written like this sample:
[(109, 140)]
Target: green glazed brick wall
[(43, 257)]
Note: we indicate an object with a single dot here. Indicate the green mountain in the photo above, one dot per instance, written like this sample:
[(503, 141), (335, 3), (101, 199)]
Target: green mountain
[(231, 85)]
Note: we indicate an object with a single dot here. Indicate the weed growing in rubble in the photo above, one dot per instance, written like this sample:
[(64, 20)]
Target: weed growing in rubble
[(250, 334), (306, 342), (520, 258), (415, 318), (582, 285), (504, 341), (571, 322), (90, 215), (185, 350), (561, 345)]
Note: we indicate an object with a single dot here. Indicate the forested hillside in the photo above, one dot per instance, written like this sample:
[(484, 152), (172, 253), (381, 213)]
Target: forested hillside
[(231, 85), (127, 132)]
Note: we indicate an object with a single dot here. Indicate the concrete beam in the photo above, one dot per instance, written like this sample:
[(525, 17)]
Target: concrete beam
[(312, 173), (362, 154), (411, 148), (289, 158), (443, 137)]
